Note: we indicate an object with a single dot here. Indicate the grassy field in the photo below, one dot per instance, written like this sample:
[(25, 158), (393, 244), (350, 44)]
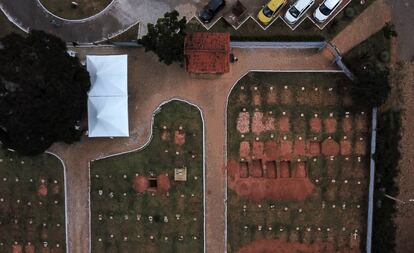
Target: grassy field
[(32, 203), (85, 9), (337, 208), (126, 221)]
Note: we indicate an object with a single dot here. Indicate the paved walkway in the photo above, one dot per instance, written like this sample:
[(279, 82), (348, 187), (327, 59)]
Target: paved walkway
[(369, 22), (150, 83)]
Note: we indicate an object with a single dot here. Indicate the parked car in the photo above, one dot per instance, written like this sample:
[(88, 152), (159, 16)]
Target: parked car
[(210, 10), (270, 10), (296, 11), (326, 9)]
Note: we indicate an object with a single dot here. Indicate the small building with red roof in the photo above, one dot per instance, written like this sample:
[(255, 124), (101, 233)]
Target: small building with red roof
[(207, 53)]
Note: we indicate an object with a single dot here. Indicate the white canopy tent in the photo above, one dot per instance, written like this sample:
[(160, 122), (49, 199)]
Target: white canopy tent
[(108, 97)]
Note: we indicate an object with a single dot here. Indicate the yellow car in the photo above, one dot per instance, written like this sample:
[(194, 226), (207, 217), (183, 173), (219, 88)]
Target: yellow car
[(270, 10)]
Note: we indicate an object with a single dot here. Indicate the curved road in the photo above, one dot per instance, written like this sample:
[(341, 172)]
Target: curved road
[(122, 14)]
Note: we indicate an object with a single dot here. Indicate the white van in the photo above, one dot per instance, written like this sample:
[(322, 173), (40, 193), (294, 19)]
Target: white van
[(296, 11)]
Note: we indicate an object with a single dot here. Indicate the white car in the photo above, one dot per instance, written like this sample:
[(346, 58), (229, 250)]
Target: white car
[(296, 11), (325, 9)]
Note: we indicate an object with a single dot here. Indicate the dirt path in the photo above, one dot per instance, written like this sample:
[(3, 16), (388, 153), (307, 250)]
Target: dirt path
[(405, 215), (150, 83), (369, 22)]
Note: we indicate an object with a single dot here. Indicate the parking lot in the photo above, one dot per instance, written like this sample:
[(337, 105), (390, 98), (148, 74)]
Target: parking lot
[(254, 6)]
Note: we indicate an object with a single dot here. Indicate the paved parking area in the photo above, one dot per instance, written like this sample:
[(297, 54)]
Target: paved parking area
[(254, 6)]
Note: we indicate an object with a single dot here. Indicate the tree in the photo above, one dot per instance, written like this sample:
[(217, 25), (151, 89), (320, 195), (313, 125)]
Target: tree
[(166, 38), (43, 93)]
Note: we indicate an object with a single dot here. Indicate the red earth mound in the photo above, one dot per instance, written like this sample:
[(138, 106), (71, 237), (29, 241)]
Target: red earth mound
[(346, 147), (244, 170), (42, 188), (140, 184), (360, 147), (17, 248), (299, 148), (284, 169), (258, 149), (257, 123), (314, 148), (179, 137), (269, 123), (279, 246), (244, 149), (256, 170), (300, 170), (330, 147), (284, 125), (271, 150), (271, 171), (257, 99), (315, 125), (163, 183), (259, 189), (330, 125), (243, 122), (347, 124), (29, 248), (286, 149)]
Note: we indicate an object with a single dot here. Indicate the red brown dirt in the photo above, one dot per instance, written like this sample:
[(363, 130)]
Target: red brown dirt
[(29, 248), (244, 149), (271, 150), (315, 125), (42, 188), (244, 169), (330, 125), (140, 184), (330, 147), (17, 248), (314, 148), (299, 148), (286, 149), (346, 147), (271, 170), (256, 170), (347, 124), (300, 170), (279, 246), (284, 169), (258, 149), (179, 137), (257, 99), (272, 97), (284, 125), (257, 123), (45, 250), (163, 183), (360, 147), (269, 122), (259, 189), (243, 122)]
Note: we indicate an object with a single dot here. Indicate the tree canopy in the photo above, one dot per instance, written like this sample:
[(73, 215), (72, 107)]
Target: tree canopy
[(166, 38), (43, 92)]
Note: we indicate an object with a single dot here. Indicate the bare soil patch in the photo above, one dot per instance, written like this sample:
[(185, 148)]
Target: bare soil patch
[(330, 147), (330, 125), (285, 169), (314, 148), (300, 170), (256, 170), (346, 147), (257, 123), (284, 125), (272, 97), (286, 97), (257, 98), (286, 149), (360, 147), (244, 149), (179, 137), (315, 125), (140, 184), (347, 124), (243, 122), (271, 150), (271, 169), (299, 148), (258, 149)]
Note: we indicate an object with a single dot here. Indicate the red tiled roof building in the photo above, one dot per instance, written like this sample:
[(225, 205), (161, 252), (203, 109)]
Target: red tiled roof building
[(207, 53)]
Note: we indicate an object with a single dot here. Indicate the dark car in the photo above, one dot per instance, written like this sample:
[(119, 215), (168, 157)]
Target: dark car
[(211, 9)]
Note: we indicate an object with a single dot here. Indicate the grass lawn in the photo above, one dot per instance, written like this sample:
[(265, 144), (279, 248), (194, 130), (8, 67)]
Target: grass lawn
[(337, 207), (85, 9), (32, 203), (126, 220)]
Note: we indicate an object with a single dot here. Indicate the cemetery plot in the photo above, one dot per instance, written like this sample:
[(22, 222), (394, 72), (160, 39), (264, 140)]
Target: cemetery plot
[(32, 204), (298, 164), (151, 200)]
